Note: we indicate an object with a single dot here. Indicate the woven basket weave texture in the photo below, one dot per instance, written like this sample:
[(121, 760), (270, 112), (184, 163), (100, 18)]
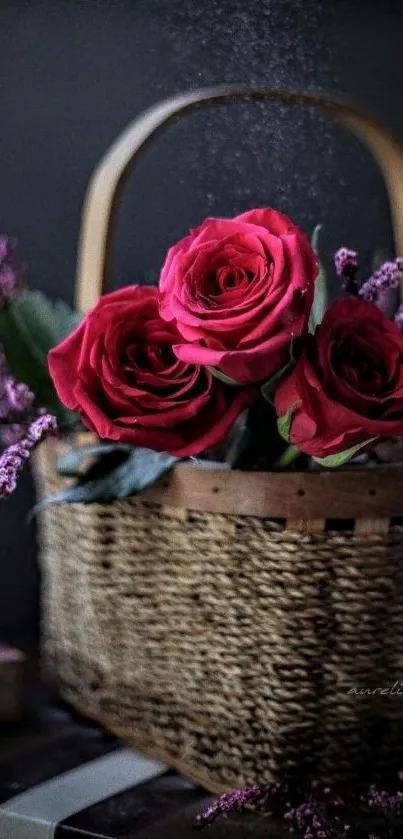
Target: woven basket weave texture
[(224, 644)]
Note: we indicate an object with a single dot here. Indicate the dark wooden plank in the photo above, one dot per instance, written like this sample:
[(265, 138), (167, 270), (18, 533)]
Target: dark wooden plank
[(297, 496)]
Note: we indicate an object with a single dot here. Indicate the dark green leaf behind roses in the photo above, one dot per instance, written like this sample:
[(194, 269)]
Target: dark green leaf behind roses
[(30, 325)]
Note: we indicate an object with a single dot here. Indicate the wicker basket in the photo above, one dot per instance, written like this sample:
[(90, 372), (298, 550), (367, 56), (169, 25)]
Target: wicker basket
[(227, 622)]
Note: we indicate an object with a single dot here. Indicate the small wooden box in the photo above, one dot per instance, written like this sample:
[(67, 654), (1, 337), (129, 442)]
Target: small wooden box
[(11, 673)]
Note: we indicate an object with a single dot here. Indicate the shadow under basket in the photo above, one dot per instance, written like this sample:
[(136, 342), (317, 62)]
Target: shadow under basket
[(241, 626)]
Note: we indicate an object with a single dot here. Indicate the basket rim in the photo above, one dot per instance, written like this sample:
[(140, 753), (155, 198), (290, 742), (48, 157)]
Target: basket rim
[(343, 494), (346, 493)]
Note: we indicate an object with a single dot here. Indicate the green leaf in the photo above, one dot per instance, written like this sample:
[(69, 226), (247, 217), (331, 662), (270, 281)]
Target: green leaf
[(315, 237), (30, 326), (287, 457), (321, 297), (267, 389), (70, 464), (43, 321), (343, 457), (140, 469), (241, 435), (67, 319), (284, 424), (222, 376)]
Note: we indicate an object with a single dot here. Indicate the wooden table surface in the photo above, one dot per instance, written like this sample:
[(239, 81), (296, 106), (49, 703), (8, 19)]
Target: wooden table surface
[(158, 809)]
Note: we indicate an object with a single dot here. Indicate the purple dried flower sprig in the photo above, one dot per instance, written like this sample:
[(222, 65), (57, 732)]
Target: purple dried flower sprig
[(13, 459), (15, 397), (12, 270), (16, 405), (346, 261), (384, 801), (309, 819), (318, 812), (280, 801), (234, 802), (346, 264), (389, 276)]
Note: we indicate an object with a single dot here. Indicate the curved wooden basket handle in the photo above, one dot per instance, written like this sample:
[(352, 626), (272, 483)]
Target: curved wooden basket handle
[(94, 258)]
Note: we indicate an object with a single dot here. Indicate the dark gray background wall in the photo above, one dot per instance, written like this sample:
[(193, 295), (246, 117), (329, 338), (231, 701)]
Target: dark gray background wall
[(74, 72)]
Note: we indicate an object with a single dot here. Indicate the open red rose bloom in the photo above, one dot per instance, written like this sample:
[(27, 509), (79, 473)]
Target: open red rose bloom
[(347, 387), (171, 370), (239, 290), (118, 369)]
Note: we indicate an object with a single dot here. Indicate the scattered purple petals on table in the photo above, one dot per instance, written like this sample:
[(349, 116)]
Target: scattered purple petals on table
[(318, 812)]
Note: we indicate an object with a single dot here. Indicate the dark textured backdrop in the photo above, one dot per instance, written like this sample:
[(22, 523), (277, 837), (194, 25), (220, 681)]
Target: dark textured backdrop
[(74, 72)]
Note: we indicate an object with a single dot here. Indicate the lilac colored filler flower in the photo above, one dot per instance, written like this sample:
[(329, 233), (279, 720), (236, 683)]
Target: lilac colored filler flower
[(388, 276), (318, 812), (12, 270), (15, 397), (346, 264), (42, 426), (385, 801), (16, 405), (346, 261), (13, 460), (230, 802)]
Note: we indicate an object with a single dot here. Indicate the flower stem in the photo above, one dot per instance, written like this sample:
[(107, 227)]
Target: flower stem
[(287, 457)]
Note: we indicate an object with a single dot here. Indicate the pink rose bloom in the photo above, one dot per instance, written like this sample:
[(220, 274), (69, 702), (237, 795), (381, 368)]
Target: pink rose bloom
[(239, 290)]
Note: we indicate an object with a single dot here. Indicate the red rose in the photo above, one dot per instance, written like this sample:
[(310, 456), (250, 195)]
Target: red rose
[(347, 387), (118, 370), (239, 290)]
